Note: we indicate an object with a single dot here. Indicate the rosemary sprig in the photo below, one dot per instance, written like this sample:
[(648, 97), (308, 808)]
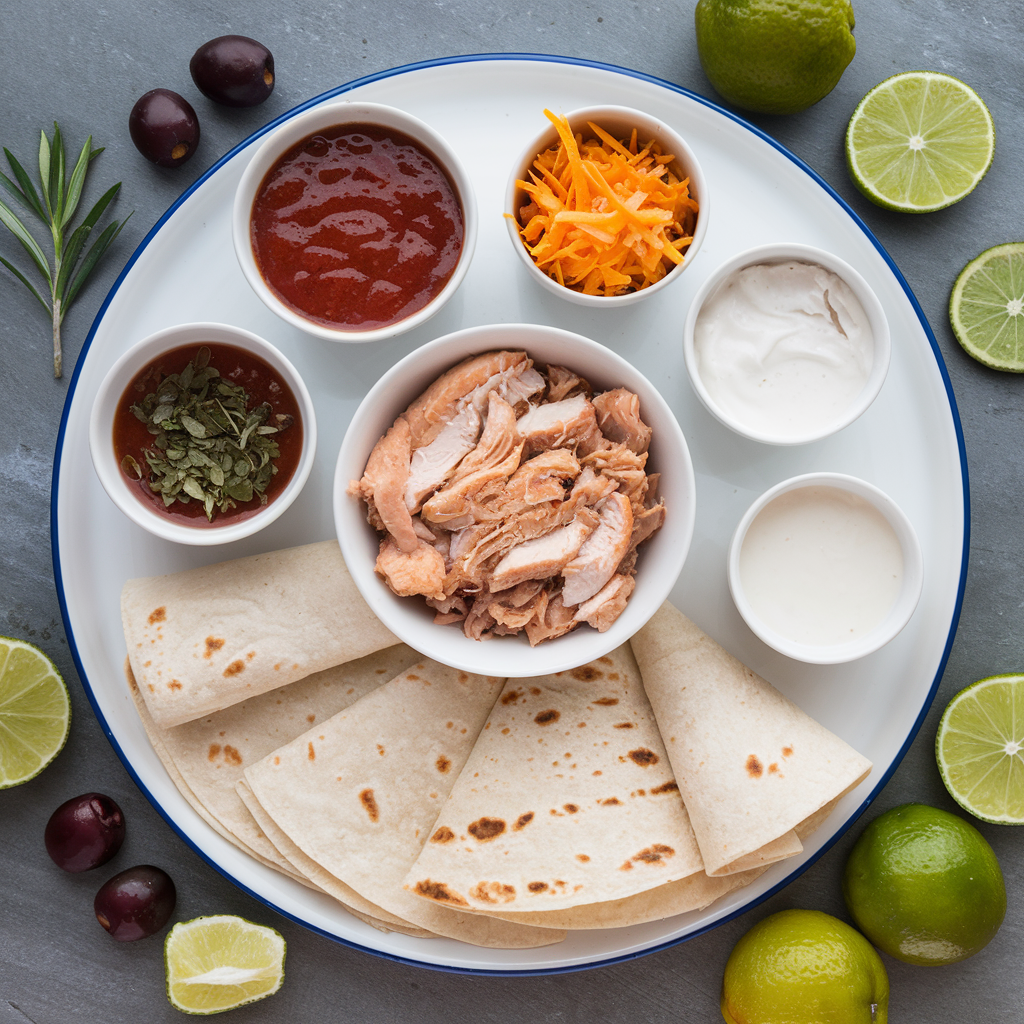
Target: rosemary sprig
[(55, 205)]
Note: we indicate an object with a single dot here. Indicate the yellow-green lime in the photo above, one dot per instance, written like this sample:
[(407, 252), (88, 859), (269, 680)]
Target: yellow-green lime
[(804, 967), (980, 749), (35, 712), (919, 141), (924, 886), (986, 307), (219, 962), (774, 56)]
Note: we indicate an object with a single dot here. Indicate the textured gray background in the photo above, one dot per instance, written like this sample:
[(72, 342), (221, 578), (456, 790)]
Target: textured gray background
[(85, 64)]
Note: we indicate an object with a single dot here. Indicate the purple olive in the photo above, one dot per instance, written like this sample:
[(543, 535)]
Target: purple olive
[(164, 128), (135, 903), (84, 832), (233, 70)]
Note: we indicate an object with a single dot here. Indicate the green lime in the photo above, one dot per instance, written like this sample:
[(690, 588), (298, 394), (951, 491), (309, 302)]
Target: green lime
[(217, 963), (919, 141), (980, 749), (774, 56), (35, 712), (924, 886), (804, 967), (986, 307)]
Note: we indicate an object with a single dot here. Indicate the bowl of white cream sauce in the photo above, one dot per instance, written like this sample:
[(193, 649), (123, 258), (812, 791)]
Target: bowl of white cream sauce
[(786, 344), (825, 568)]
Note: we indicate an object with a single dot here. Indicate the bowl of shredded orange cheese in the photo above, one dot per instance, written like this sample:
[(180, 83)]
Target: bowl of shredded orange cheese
[(606, 206)]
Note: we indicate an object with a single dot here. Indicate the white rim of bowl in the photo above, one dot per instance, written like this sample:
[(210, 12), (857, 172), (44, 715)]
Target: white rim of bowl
[(497, 336), (111, 390), (895, 619), (325, 116), (778, 252), (644, 123)]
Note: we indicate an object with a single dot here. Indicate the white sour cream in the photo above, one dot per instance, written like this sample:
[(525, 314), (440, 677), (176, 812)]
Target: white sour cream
[(821, 566), (783, 348)]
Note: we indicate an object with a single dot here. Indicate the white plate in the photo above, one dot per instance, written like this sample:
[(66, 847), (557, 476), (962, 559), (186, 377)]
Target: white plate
[(908, 444)]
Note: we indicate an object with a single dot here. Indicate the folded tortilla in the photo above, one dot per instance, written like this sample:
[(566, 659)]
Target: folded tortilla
[(755, 771), (358, 794), (205, 639), (568, 799)]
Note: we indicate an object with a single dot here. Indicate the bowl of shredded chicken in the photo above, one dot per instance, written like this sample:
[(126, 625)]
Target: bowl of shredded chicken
[(516, 484)]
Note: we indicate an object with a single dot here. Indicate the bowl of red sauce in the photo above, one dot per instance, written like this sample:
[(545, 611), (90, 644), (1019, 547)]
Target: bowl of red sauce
[(202, 433), (354, 222)]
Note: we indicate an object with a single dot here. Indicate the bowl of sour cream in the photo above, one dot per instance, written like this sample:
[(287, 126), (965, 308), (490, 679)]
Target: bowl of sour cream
[(825, 568), (786, 344)]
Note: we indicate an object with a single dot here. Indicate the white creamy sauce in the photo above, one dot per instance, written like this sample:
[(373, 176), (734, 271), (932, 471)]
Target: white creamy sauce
[(784, 348), (821, 566)]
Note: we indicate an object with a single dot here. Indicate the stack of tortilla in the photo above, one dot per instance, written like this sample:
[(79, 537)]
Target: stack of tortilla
[(434, 802)]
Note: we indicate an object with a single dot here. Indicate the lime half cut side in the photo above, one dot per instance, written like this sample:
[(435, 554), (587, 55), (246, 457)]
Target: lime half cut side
[(919, 141), (219, 962), (35, 712), (986, 307), (980, 749)]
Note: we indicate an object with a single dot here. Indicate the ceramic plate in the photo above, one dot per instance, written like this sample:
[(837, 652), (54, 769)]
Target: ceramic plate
[(908, 444)]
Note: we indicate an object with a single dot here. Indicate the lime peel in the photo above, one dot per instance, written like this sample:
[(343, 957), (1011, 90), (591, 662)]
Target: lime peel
[(986, 307)]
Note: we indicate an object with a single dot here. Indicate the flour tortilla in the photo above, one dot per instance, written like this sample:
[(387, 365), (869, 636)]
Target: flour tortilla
[(568, 799), (359, 794), (755, 771), (205, 639)]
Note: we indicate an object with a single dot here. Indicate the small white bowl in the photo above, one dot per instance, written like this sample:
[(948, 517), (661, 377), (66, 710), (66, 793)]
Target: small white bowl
[(898, 614), (330, 115), (101, 433), (661, 558), (620, 122), (781, 252)]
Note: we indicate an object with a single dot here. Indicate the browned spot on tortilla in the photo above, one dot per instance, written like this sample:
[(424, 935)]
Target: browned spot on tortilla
[(368, 801), (310, 718), (643, 757), (655, 854), (232, 756), (605, 660), (571, 808), (380, 749), (582, 725), (234, 668), (505, 731), (754, 769), (415, 679), (158, 615), (483, 830), (586, 673), (596, 771), (147, 664), (535, 690), (449, 725), (221, 733), (787, 751), (511, 697), (438, 891), (493, 892), (174, 685), (443, 764), (639, 792), (773, 768), (277, 667), (606, 702), (522, 821), (582, 858), (623, 725), (546, 717), (380, 671), (613, 677), (213, 643), (151, 689), (277, 760), (250, 656), (443, 835), (610, 802), (214, 751), (626, 867), (537, 886), (311, 753), (666, 787)]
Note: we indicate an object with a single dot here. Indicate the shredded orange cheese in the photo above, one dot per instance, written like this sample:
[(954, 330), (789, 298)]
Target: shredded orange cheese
[(605, 217)]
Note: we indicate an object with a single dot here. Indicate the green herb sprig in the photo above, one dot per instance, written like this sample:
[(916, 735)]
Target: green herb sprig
[(208, 444), (55, 205)]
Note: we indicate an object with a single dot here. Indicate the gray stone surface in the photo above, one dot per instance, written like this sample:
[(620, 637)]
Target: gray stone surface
[(85, 64)]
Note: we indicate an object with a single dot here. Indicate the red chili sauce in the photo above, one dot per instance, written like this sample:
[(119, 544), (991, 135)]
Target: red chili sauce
[(261, 382), (357, 227)]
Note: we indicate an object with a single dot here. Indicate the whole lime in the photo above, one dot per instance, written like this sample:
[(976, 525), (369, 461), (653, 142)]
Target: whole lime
[(775, 56), (804, 967), (924, 886)]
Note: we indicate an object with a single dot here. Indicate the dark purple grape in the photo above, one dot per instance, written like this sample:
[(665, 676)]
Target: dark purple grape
[(135, 903), (233, 70), (164, 128), (84, 832)]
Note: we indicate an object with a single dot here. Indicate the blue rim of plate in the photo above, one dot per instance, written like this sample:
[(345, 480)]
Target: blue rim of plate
[(672, 87)]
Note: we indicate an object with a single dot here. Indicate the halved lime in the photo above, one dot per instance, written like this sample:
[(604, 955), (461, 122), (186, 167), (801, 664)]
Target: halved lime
[(35, 712), (980, 749), (219, 962), (919, 141), (986, 307)]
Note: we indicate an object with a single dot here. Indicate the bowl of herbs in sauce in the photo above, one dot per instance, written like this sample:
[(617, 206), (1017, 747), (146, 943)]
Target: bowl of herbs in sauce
[(202, 433)]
